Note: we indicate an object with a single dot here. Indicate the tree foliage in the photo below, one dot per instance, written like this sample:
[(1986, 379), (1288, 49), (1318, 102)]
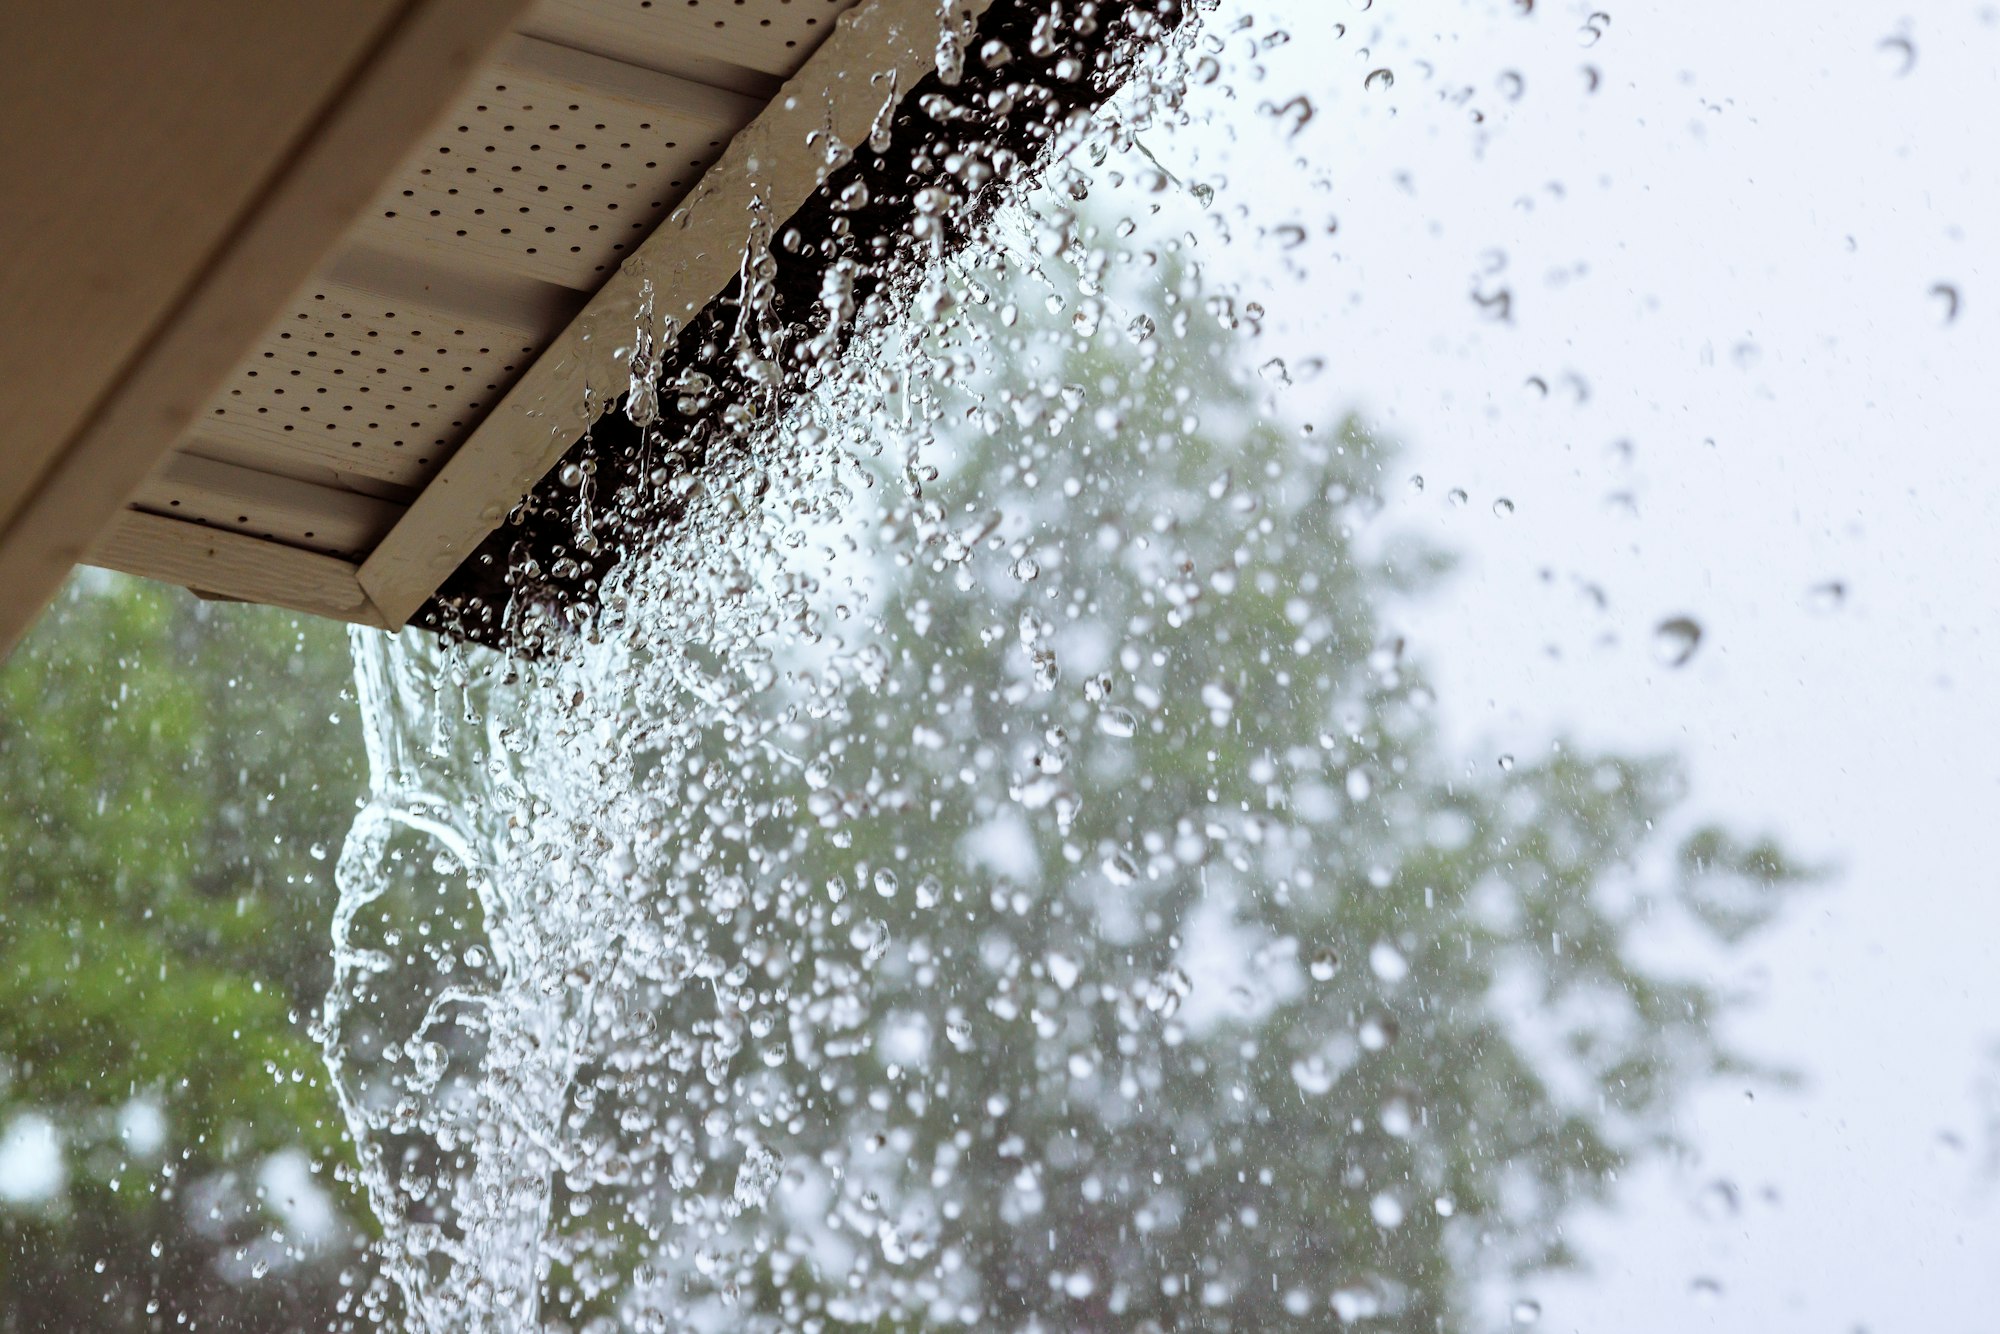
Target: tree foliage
[(171, 776)]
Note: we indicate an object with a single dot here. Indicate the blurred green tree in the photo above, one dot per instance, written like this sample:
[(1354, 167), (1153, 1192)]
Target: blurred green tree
[(172, 774)]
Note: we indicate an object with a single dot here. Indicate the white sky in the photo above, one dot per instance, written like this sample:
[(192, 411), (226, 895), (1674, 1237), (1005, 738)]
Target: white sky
[(1734, 243)]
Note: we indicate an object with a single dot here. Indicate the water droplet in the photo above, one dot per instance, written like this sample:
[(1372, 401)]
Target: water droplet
[(1376, 1032), (1828, 597), (1497, 305), (1502, 508), (1718, 1200), (1898, 55), (1298, 112), (1387, 962), (1314, 1075), (885, 883), (1526, 1311), (1325, 963), (1379, 80), (1946, 295), (1355, 1303), (1676, 639)]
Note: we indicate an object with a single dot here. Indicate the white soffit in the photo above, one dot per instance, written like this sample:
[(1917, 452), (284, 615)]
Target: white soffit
[(432, 366)]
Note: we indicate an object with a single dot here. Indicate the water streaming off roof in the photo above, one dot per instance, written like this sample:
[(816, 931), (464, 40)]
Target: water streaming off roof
[(987, 862)]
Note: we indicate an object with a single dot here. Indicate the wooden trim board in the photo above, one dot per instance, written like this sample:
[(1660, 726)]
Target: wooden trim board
[(285, 511), (225, 565)]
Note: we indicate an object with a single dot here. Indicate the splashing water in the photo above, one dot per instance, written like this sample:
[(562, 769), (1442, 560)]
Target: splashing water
[(912, 893), (571, 1052)]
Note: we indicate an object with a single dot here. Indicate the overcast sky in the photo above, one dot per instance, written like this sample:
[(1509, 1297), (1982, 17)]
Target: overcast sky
[(1755, 270)]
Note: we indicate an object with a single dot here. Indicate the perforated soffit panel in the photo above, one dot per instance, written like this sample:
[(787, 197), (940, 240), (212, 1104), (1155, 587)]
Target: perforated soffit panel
[(432, 366)]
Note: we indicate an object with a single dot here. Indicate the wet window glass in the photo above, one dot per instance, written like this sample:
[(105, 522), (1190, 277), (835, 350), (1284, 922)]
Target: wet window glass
[(1374, 708)]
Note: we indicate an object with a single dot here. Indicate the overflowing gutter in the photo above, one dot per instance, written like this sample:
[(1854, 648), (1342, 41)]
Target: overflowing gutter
[(375, 426)]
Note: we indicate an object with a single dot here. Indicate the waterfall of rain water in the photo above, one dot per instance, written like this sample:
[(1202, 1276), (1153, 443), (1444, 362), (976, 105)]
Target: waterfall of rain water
[(583, 1007), (985, 863), (540, 872)]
